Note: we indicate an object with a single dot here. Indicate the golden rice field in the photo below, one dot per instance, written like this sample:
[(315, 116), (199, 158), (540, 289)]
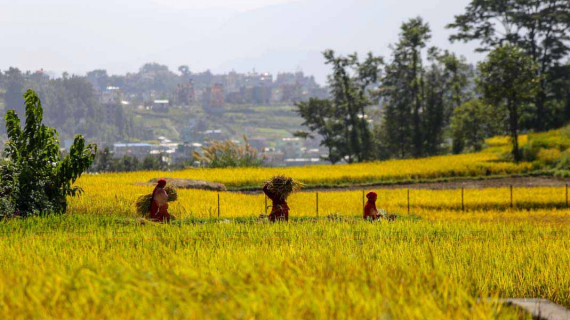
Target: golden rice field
[(115, 194), (97, 267), (442, 260), (464, 165)]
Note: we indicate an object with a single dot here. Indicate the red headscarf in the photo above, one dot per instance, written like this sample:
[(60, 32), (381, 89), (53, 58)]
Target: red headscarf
[(371, 195)]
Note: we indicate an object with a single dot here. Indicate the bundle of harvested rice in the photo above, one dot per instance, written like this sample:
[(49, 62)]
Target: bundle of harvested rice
[(283, 186), (143, 203), (172, 193)]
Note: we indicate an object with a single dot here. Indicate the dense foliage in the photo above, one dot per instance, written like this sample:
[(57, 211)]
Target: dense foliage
[(508, 79), (418, 100), (540, 28), (36, 179), (341, 120), (444, 104), (472, 122), (105, 162), (70, 104)]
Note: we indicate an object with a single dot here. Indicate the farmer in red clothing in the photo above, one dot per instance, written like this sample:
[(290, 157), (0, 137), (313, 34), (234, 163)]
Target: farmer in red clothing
[(370, 211), (159, 203), (280, 209)]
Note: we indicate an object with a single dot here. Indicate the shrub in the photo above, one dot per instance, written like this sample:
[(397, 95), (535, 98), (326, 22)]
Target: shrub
[(35, 178), (225, 154), (549, 156), (529, 151), (564, 162), (543, 148)]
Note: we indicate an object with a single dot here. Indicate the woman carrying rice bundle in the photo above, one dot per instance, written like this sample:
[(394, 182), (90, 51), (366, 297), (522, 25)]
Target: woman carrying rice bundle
[(278, 189), (159, 203)]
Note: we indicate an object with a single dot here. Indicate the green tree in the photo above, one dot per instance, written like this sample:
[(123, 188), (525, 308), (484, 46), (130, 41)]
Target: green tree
[(446, 81), (14, 82), (413, 38), (153, 162), (103, 161), (35, 177), (402, 91), (184, 72), (418, 100), (472, 122), (396, 124), (321, 117), (342, 120), (508, 78), (128, 164), (539, 27), (98, 78)]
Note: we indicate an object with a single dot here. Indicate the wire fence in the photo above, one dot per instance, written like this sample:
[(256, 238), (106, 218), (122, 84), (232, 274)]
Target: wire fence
[(400, 201)]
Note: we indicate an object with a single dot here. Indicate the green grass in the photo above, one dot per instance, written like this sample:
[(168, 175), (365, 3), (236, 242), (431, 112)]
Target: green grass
[(272, 122)]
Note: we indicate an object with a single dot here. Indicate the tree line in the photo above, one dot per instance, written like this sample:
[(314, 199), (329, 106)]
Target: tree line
[(106, 162), (433, 102), (70, 104), (73, 103)]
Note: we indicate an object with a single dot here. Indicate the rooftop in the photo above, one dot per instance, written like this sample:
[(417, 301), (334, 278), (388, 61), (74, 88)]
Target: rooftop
[(124, 145)]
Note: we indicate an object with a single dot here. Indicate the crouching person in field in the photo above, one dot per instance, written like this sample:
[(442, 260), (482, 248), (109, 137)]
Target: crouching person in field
[(370, 211), (159, 203)]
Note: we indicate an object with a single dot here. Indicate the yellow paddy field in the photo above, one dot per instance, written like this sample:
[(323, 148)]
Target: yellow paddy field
[(442, 260), (465, 165)]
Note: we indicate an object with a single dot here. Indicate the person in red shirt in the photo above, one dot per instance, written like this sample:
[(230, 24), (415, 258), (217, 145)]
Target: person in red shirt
[(159, 203), (280, 209), (370, 211)]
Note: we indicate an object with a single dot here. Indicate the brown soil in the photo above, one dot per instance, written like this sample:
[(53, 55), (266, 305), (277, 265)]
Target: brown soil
[(188, 184), (518, 182)]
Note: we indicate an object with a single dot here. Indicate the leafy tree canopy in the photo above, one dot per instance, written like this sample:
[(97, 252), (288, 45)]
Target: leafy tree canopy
[(508, 79), (35, 178)]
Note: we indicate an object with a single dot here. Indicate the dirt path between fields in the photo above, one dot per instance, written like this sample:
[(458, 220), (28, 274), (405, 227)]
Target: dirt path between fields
[(516, 182)]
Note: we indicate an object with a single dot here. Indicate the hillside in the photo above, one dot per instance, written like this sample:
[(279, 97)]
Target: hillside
[(179, 124)]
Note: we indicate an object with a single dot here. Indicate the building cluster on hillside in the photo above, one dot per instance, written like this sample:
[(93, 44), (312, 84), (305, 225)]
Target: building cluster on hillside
[(217, 91), (258, 89), (214, 93), (286, 152)]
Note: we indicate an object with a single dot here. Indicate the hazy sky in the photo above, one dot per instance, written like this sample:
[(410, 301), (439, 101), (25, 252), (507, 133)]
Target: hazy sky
[(269, 35)]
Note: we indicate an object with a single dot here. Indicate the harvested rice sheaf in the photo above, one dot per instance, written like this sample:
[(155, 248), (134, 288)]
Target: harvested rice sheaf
[(283, 186), (143, 202), (172, 193)]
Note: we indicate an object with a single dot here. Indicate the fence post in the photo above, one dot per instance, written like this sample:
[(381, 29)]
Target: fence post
[(462, 199), (408, 201), (512, 196), (363, 199), (566, 195), (265, 204), (218, 204), (317, 204)]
